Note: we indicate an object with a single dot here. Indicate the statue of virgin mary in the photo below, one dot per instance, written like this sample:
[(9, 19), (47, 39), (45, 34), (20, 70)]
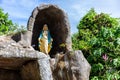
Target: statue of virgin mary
[(45, 40)]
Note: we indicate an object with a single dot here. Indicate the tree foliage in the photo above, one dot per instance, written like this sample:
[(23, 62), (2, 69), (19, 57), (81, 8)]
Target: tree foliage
[(99, 39), (6, 25)]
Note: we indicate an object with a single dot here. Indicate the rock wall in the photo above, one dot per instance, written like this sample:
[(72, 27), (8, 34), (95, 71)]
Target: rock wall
[(18, 62), (70, 66), (21, 60), (58, 24)]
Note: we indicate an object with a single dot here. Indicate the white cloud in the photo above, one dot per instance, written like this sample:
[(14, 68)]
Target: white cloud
[(21, 9), (80, 8), (8, 2), (28, 3)]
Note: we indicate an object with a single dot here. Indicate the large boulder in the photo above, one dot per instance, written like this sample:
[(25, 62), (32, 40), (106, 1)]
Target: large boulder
[(22, 63), (70, 66)]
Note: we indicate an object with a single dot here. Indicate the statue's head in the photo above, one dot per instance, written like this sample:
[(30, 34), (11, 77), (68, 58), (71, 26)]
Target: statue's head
[(45, 27)]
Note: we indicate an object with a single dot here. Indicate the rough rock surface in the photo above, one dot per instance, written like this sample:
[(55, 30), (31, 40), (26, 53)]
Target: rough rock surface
[(22, 63), (58, 24), (70, 66)]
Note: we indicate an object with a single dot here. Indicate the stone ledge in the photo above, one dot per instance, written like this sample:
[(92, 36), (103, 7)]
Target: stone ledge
[(22, 63)]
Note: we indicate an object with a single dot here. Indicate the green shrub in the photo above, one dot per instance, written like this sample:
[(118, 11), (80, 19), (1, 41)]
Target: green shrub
[(7, 26), (99, 39)]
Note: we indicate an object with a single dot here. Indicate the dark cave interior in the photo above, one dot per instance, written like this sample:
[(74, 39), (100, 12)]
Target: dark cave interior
[(55, 20)]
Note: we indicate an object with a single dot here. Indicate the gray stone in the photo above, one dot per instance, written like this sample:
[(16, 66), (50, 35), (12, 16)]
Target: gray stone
[(71, 66), (19, 62), (30, 23), (58, 24)]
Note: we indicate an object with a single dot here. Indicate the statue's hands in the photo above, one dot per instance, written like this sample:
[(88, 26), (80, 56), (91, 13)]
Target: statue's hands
[(40, 40), (51, 40)]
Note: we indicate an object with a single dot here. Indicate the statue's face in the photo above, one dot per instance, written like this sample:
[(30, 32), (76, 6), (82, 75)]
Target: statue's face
[(46, 32), (45, 27)]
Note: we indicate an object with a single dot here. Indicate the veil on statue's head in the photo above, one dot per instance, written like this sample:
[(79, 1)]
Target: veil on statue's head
[(45, 28)]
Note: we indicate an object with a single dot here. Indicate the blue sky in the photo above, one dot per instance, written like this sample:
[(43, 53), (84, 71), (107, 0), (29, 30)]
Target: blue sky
[(20, 10)]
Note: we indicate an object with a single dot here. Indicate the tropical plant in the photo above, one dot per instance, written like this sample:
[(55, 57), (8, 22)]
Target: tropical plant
[(99, 39), (7, 26)]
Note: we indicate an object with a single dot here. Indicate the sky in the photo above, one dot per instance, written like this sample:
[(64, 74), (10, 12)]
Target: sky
[(20, 10)]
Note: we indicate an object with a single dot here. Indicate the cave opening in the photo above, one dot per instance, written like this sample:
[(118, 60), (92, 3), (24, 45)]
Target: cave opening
[(55, 19)]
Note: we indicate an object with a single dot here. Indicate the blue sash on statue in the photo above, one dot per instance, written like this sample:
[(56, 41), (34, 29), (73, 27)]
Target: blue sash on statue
[(49, 36)]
